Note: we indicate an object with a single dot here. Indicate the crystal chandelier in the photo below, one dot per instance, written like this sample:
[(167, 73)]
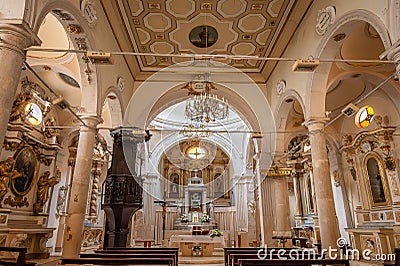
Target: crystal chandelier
[(204, 106)]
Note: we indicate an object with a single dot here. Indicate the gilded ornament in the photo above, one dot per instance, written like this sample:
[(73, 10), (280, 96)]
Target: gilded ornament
[(7, 173), (17, 201), (390, 164), (75, 29), (45, 182)]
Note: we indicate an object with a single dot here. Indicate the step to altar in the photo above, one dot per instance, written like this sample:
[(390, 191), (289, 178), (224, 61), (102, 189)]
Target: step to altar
[(201, 260)]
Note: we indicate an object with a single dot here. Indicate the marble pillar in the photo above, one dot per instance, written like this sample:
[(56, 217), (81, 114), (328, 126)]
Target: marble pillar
[(13, 40), (149, 212), (328, 222), (79, 188)]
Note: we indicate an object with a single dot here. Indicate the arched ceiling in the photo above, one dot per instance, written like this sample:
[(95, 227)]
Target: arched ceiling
[(258, 28)]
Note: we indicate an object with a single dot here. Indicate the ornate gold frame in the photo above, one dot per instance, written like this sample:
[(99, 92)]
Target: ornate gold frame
[(384, 181), (15, 191)]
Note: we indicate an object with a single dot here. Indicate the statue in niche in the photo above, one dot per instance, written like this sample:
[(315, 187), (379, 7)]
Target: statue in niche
[(376, 180), (44, 184), (62, 195), (7, 173)]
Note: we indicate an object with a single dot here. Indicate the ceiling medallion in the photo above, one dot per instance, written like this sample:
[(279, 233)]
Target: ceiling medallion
[(203, 36), (326, 16), (89, 12), (280, 86), (204, 106)]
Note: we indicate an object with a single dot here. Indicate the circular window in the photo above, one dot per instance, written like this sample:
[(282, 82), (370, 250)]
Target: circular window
[(196, 152), (33, 114), (364, 116), (203, 36)]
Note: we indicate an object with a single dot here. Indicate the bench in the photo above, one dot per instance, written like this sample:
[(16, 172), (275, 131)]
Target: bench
[(280, 262), (143, 251), (20, 261), (228, 252), (133, 256), (118, 261)]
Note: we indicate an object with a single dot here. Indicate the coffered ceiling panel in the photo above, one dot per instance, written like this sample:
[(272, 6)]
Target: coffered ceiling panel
[(242, 27)]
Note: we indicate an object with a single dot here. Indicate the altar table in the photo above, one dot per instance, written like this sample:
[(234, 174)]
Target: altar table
[(187, 242)]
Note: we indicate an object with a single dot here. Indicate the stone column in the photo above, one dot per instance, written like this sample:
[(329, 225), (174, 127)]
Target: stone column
[(297, 194), (282, 204), (242, 214), (79, 188), (328, 222), (13, 40), (149, 212)]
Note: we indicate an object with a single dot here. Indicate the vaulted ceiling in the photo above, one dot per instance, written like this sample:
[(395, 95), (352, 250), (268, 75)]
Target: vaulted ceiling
[(243, 27)]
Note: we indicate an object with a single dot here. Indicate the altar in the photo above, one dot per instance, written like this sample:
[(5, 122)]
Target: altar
[(203, 245)]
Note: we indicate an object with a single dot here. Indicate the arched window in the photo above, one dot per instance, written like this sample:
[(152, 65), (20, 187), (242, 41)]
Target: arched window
[(376, 180)]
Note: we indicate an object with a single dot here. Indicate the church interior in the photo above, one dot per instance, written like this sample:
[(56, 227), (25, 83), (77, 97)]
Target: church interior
[(155, 132)]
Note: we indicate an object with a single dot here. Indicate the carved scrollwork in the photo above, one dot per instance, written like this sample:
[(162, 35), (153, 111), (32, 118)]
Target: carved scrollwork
[(18, 201), (17, 111), (26, 141)]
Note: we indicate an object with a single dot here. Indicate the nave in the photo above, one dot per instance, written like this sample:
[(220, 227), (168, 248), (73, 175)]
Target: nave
[(175, 130)]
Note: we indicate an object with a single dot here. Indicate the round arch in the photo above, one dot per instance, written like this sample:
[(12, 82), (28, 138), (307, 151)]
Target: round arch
[(281, 115), (327, 48), (67, 14), (240, 87)]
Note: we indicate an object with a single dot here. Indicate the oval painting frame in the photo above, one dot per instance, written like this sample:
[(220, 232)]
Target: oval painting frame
[(26, 164)]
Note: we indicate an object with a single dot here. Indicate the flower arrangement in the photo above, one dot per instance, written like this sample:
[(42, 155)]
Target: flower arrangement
[(215, 232), (205, 218), (184, 218)]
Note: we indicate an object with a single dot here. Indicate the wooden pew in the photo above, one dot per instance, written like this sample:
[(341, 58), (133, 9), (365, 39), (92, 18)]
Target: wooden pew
[(133, 256), (118, 261), (146, 251), (248, 250), (279, 262), (20, 261)]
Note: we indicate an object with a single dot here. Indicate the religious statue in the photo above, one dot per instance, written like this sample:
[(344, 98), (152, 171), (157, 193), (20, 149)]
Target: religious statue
[(44, 184), (7, 173)]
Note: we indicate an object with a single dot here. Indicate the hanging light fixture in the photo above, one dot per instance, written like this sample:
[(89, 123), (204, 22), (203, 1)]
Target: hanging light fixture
[(204, 106), (195, 131)]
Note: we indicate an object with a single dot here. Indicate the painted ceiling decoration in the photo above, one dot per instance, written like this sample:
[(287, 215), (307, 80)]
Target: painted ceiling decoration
[(237, 27)]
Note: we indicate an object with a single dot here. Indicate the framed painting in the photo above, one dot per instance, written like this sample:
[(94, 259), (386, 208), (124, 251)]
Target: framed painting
[(26, 165), (377, 186)]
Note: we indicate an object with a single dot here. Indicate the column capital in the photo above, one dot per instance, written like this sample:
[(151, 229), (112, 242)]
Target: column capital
[(315, 124), (17, 37), (91, 121)]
